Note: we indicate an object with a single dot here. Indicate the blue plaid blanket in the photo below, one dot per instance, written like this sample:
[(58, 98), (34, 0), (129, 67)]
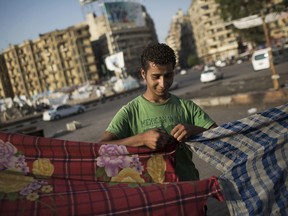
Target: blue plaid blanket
[(252, 154)]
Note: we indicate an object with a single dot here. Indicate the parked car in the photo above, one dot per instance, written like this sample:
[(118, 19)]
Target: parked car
[(183, 72), (220, 63), (210, 74), (61, 111)]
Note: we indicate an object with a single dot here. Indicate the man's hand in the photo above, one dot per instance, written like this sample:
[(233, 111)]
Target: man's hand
[(182, 132), (155, 138)]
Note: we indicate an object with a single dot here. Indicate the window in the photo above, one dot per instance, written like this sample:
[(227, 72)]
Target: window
[(221, 38), (205, 7)]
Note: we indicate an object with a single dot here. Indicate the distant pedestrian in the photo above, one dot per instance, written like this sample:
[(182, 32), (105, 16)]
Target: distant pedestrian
[(101, 94)]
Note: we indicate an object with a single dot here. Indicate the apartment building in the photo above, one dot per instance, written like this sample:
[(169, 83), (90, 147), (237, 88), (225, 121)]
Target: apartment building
[(129, 37), (279, 31), (53, 61), (180, 38), (213, 37), (279, 28), (5, 85), (76, 55)]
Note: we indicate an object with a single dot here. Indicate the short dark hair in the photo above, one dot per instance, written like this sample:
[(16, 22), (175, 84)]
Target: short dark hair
[(158, 53)]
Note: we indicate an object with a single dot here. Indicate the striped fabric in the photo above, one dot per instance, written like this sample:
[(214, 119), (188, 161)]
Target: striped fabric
[(44, 176), (252, 153)]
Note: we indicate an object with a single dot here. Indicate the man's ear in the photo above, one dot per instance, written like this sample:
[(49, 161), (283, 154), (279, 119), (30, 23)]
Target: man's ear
[(143, 74)]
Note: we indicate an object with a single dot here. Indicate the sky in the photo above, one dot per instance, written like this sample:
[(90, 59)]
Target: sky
[(22, 20)]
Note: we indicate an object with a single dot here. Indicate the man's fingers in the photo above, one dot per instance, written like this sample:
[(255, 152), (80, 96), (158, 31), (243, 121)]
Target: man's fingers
[(181, 135), (178, 130), (175, 130)]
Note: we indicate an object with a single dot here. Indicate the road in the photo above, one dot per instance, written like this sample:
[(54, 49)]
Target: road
[(244, 71), (102, 113), (99, 116)]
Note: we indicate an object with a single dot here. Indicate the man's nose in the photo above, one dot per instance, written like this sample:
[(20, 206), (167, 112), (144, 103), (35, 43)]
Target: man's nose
[(162, 82)]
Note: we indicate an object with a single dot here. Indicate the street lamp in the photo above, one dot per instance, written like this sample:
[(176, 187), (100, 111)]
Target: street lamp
[(275, 77)]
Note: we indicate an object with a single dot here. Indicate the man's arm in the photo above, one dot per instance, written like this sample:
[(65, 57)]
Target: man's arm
[(111, 138), (153, 139)]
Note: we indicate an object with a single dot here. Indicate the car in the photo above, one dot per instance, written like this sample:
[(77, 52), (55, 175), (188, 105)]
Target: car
[(183, 72), (220, 63), (63, 110), (210, 74), (260, 59)]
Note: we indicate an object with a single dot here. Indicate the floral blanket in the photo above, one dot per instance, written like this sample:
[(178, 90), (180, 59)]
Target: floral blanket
[(44, 176)]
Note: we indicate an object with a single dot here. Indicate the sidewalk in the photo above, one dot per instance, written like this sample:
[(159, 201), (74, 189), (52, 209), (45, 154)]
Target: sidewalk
[(258, 89)]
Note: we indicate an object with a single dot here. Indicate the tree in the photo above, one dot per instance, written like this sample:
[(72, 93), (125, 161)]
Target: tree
[(236, 9), (192, 60)]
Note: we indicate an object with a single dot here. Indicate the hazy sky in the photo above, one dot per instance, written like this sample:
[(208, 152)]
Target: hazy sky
[(25, 19)]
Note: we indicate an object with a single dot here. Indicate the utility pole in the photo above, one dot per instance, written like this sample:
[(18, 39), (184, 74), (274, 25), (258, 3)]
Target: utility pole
[(274, 76)]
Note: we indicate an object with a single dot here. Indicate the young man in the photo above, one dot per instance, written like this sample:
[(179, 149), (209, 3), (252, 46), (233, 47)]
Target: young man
[(157, 118)]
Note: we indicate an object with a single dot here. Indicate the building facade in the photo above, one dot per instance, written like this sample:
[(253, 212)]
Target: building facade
[(53, 61), (214, 38), (180, 39), (75, 55), (128, 37), (5, 84), (279, 28)]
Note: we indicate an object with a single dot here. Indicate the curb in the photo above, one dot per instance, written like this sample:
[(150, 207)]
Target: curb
[(266, 97), (86, 102), (32, 117)]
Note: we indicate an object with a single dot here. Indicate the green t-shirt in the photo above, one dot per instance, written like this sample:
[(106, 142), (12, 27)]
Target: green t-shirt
[(140, 115)]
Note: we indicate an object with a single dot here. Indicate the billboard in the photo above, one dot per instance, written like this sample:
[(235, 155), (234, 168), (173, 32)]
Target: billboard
[(115, 62), (255, 20), (84, 2), (124, 12)]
